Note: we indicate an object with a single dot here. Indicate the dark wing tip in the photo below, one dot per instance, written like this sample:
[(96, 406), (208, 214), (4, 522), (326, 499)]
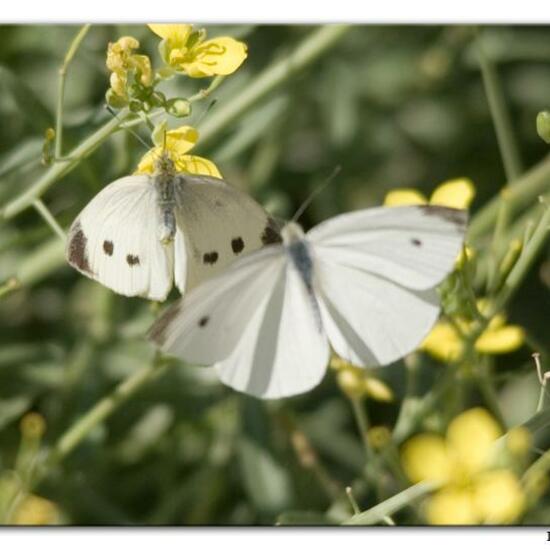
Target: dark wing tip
[(157, 332), (76, 253), (455, 216)]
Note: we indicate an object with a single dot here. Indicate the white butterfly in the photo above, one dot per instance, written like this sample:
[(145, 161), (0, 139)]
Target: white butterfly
[(363, 282), (142, 232)]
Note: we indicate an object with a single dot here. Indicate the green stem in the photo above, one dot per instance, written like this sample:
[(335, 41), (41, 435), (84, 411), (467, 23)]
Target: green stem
[(490, 396), (102, 410), (391, 505), (77, 40), (59, 169), (526, 260), (317, 43), (49, 219), (522, 192), (501, 118), (363, 424)]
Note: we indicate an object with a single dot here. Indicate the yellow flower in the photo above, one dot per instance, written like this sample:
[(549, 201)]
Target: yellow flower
[(457, 193), (471, 489), (121, 60), (357, 382), (35, 510), (177, 143), (186, 50), (444, 342)]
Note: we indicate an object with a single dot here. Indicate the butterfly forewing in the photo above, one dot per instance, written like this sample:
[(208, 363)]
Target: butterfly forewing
[(220, 224), (414, 246), (115, 240)]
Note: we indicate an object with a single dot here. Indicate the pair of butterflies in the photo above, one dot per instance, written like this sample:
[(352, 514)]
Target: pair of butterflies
[(265, 304)]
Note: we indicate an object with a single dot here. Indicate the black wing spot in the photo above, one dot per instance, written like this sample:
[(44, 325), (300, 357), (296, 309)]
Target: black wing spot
[(210, 257), (203, 321), (271, 233), (108, 247), (132, 260), (237, 245), (416, 242), (77, 250)]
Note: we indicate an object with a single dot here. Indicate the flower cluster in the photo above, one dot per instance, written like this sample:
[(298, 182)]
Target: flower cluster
[(357, 382), (475, 486), (184, 50)]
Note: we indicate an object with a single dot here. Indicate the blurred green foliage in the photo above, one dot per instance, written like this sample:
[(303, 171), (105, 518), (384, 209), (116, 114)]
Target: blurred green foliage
[(394, 107)]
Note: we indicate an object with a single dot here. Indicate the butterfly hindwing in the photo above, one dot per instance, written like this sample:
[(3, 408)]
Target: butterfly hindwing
[(256, 323), (115, 240)]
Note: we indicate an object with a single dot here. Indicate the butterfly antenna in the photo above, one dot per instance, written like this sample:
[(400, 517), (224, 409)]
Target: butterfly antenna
[(206, 111), (135, 134), (314, 193)]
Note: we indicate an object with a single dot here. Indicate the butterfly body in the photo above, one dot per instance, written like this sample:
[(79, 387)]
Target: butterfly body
[(143, 233), (165, 182), (362, 283)]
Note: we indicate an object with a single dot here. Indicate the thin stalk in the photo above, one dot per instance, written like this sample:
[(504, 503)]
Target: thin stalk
[(102, 410), (77, 40), (522, 192), (490, 396), (49, 219), (352, 501), (391, 505), (60, 169), (509, 150), (363, 424), (498, 238)]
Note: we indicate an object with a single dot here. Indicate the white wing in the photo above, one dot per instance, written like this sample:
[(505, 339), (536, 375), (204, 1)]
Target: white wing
[(414, 246), (370, 320), (376, 273), (257, 322), (115, 240), (219, 223)]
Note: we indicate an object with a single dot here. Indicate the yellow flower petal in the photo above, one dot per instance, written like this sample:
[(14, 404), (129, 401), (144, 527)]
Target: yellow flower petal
[(175, 35), (451, 506), (502, 340), (425, 457), (498, 497), (404, 197), (35, 510), (197, 165), (182, 139), (470, 437), (219, 56), (457, 193), (443, 343)]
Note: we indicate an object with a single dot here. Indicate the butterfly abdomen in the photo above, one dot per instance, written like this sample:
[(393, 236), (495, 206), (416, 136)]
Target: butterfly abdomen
[(302, 261), (166, 201)]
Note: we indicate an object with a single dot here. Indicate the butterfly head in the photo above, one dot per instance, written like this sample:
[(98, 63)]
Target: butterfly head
[(164, 164), (291, 233)]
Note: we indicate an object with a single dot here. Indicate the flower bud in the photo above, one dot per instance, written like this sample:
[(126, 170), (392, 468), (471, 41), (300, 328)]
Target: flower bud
[(543, 125), (178, 107)]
